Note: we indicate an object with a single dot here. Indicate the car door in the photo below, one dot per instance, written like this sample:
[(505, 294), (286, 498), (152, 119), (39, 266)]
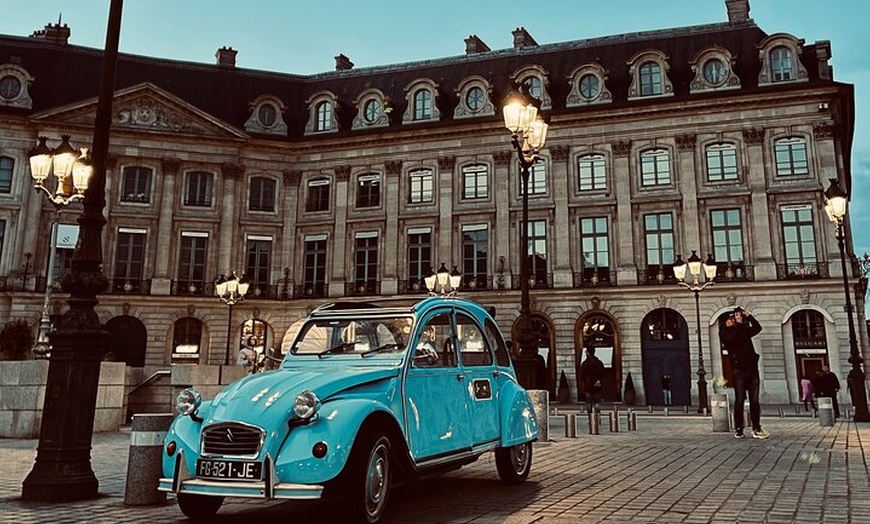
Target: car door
[(478, 366), (436, 402)]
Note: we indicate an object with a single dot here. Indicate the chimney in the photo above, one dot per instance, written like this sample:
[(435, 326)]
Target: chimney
[(56, 33), (343, 63), (823, 54), (226, 57), (738, 10), (474, 45), (522, 38)]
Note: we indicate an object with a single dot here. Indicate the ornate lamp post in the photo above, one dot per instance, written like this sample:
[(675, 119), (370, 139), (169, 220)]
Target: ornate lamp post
[(835, 207), (694, 266), (445, 282), (231, 291), (528, 135), (68, 163), (62, 470)]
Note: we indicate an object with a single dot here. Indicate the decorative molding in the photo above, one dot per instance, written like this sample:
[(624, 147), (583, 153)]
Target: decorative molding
[(731, 299), (342, 173), (147, 113), (805, 296), (662, 301), (125, 308), (753, 137), (446, 163), (686, 142), (191, 309), (292, 177), (621, 148), (393, 167), (560, 153), (502, 158), (824, 130)]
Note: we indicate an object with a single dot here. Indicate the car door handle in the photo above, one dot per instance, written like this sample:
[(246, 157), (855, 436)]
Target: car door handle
[(460, 377)]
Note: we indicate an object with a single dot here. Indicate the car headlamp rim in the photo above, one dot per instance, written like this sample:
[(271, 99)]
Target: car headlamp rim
[(305, 405), (188, 401)]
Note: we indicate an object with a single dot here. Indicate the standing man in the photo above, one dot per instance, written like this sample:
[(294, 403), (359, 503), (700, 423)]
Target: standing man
[(737, 337), (827, 385), (666, 389), (591, 375)]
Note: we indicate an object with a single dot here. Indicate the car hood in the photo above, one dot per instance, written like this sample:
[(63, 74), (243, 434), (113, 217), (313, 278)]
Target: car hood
[(263, 396)]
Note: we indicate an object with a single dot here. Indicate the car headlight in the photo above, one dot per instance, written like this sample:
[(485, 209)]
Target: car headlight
[(306, 404), (187, 402)]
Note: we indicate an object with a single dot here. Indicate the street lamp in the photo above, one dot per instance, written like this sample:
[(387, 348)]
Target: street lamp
[(446, 282), (528, 135), (72, 171), (62, 470), (835, 207), (694, 266), (231, 291)]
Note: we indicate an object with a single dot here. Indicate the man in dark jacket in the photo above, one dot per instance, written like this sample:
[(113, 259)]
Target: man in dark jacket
[(827, 385), (737, 337), (591, 375)]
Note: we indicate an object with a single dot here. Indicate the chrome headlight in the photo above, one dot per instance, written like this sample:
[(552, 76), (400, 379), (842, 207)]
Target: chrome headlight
[(187, 402), (306, 404)]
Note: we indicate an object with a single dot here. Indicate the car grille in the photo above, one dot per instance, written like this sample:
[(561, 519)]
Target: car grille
[(232, 439)]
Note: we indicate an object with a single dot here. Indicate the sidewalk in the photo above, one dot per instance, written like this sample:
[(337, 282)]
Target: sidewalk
[(672, 469)]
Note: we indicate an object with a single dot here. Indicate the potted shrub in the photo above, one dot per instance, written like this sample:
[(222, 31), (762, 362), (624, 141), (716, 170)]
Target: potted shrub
[(630, 394), (564, 393)]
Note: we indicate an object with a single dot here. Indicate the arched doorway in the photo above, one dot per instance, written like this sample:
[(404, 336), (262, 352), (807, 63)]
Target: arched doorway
[(598, 330), (810, 343), (664, 339), (127, 340), (542, 332)]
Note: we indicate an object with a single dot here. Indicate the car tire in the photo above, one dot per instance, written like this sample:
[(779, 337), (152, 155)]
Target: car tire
[(368, 478), (199, 507), (514, 463)]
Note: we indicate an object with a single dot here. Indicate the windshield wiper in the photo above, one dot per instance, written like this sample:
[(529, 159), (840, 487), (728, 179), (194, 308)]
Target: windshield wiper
[(379, 349), (336, 348)]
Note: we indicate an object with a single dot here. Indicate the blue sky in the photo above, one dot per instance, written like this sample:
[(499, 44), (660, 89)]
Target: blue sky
[(296, 36)]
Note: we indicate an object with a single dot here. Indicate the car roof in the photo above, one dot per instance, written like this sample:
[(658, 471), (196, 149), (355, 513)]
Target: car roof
[(353, 308)]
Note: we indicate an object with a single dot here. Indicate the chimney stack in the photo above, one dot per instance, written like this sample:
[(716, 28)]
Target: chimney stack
[(522, 38), (57, 33), (474, 45), (226, 57), (343, 63), (738, 10)]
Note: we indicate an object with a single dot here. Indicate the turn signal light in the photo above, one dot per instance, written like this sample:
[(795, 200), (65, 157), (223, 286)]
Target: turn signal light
[(171, 447), (319, 450)]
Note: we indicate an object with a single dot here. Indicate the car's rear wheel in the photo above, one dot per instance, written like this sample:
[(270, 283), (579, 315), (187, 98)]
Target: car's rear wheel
[(199, 507), (368, 477), (514, 463)]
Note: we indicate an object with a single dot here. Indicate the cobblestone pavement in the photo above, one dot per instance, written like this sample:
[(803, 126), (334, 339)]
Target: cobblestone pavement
[(671, 469)]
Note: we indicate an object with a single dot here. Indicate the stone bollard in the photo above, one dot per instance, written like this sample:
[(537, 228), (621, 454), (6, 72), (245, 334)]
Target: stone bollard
[(632, 421), (570, 425), (826, 411), (720, 411), (650, 408), (144, 465), (667, 411), (540, 399), (614, 422), (594, 423)]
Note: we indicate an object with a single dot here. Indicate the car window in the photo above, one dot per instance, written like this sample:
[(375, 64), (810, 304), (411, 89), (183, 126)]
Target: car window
[(435, 347), (502, 356), (472, 345), (349, 335)]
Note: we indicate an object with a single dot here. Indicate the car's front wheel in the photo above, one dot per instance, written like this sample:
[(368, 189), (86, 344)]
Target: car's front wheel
[(368, 477), (199, 507), (514, 463)]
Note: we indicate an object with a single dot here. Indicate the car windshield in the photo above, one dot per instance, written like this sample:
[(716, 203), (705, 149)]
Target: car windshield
[(361, 336)]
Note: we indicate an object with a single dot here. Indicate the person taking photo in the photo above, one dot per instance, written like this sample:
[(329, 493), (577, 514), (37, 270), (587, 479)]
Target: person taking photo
[(737, 335)]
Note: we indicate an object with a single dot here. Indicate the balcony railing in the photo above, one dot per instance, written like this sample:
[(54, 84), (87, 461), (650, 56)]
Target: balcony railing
[(802, 271), (193, 288), (595, 277), (318, 290), (130, 286), (536, 281), (734, 273), (362, 288), (412, 286), (480, 282), (656, 275)]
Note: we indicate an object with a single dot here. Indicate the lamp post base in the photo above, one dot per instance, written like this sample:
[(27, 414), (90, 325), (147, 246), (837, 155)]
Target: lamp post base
[(859, 395), (703, 403)]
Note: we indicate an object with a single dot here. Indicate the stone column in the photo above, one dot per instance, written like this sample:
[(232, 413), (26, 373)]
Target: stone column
[(392, 235), (289, 238), (161, 281), (623, 230), (444, 238), (337, 274), (827, 161), (691, 219), (754, 173), (229, 223), (562, 277), (502, 179)]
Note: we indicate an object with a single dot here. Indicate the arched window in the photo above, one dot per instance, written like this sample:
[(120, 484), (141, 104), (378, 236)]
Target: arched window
[(781, 66), (324, 116), (422, 104), (650, 79)]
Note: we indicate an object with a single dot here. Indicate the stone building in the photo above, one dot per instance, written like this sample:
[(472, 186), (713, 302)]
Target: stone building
[(353, 184)]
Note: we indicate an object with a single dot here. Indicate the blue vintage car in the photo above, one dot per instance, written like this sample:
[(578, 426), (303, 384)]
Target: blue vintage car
[(366, 396)]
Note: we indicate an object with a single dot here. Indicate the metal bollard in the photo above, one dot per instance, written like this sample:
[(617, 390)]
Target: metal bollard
[(594, 423), (632, 421), (826, 411), (570, 425), (144, 466), (614, 422)]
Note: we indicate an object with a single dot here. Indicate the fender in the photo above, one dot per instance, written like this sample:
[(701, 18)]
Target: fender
[(518, 421)]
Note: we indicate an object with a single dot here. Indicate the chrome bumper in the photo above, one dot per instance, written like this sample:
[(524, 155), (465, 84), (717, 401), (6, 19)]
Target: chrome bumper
[(269, 487)]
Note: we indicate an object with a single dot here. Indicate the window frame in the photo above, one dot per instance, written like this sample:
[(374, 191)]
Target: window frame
[(803, 223), (418, 181), (365, 263), (650, 79), (786, 163), (595, 239), (419, 254), (663, 234), (368, 190), (475, 182), (262, 194), (258, 261), (318, 195), (719, 152), (475, 255), (136, 181), (726, 237), (656, 159), (199, 189), (596, 165), (536, 249), (314, 260)]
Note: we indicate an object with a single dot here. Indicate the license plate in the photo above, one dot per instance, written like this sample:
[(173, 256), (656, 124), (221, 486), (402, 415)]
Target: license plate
[(229, 469)]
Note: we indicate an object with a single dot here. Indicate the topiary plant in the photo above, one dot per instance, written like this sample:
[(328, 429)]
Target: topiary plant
[(564, 393), (16, 339), (630, 394)]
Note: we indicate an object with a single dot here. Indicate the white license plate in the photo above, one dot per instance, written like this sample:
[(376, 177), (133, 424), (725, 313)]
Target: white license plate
[(229, 469)]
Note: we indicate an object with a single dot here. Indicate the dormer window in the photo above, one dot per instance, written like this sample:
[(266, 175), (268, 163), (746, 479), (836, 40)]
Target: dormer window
[(713, 68), (421, 96), (322, 109), (371, 110), (588, 86), (14, 83), (474, 95), (534, 78), (649, 75), (780, 60), (267, 116)]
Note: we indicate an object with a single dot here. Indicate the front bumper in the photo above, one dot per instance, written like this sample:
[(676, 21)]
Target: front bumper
[(269, 487)]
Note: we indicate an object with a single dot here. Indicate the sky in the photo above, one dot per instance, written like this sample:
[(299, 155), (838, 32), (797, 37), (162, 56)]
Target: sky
[(303, 37)]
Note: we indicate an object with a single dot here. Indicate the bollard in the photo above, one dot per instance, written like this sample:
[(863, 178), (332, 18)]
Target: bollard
[(540, 399), (632, 421), (614, 422), (720, 411), (144, 465), (594, 423), (685, 409), (650, 408), (667, 411), (570, 425), (826, 411)]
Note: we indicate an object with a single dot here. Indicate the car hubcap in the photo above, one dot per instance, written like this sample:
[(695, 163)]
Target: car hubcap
[(520, 456), (376, 483)]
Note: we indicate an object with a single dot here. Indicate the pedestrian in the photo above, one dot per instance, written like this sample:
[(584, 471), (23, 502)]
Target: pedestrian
[(591, 375), (737, 338), (827, 385), (666, 389), (807, 392)]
